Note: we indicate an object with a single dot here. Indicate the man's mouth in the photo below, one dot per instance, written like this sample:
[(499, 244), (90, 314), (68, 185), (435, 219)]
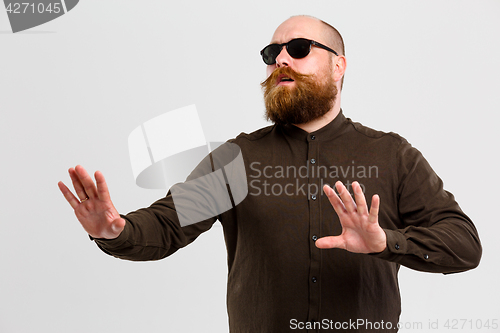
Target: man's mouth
[(283, 79)]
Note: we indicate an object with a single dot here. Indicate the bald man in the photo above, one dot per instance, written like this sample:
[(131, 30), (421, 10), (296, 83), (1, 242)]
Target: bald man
[(302, 256)]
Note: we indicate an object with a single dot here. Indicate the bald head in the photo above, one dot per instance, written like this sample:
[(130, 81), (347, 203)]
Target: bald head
[(309, 25), (334, 38)]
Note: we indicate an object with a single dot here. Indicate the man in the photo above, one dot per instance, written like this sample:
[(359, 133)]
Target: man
[(297, 259)]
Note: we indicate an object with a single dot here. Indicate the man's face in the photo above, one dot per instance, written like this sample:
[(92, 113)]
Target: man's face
[(312, 91), (301, 27)]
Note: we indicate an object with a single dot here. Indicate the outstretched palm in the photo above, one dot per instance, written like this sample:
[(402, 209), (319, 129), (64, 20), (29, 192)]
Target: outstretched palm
[(361, 232), (94, 210)]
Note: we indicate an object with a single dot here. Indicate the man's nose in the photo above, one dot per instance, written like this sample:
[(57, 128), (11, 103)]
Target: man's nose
[(283, 58)]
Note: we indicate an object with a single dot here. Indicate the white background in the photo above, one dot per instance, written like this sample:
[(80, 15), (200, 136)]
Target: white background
[(73, 89)]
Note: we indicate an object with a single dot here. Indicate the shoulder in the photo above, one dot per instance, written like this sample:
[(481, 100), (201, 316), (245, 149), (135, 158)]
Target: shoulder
[(370, 133), (254, 136)]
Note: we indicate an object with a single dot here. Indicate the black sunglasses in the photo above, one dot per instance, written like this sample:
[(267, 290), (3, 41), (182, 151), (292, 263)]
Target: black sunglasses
[(297, 48)]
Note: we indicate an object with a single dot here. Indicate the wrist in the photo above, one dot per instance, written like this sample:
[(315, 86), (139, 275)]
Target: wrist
[(382, 244)]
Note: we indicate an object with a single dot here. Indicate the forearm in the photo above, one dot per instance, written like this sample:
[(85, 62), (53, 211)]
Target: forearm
[(152, 233), (449, 246), (133, 244)]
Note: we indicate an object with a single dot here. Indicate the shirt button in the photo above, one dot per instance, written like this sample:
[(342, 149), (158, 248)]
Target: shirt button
[(313, 161), (314, 238), (313, 137), (314, 280), (313, 197), (396, 246), (426, 256)]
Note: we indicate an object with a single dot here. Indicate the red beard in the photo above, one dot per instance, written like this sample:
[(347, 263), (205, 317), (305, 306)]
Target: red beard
[(308, 100)]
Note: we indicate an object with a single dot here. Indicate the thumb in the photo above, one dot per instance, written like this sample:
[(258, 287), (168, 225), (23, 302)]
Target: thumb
[(117, 227), (330, 242), (111, 230)]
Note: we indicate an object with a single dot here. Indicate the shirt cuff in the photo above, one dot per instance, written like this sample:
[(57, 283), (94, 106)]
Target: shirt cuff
[(396, 246)]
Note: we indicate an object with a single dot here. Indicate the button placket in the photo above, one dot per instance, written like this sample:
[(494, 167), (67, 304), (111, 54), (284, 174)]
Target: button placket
[(314, 193)]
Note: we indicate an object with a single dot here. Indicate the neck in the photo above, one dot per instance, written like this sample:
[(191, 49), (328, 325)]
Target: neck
[(320, 122)]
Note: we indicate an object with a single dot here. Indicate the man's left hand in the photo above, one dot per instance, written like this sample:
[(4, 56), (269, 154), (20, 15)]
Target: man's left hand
[(361, 232)]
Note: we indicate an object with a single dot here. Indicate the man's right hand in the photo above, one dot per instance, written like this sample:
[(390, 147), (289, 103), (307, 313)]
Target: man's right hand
[(94, 208)]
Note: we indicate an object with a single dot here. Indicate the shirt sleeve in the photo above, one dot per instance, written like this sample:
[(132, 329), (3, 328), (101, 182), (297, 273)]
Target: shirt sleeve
[(436, 235), (155, 232)]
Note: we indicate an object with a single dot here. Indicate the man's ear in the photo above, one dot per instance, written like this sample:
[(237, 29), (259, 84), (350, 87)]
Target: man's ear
[(339, 66)]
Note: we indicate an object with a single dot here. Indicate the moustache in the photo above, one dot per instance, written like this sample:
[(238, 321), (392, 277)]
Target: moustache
[(279, 74)]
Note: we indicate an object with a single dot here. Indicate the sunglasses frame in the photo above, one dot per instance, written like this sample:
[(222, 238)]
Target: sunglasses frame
[(311, 42)]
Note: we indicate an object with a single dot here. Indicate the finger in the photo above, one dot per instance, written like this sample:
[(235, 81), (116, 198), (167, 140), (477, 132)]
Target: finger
[(77, 184), (73, 201), (360, 198), (330, 242), (344, 194), (337, 204), (87, 182), (102, 187), (373, 217)]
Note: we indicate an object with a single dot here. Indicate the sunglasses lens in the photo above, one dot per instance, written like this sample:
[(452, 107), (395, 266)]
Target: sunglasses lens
[(299, 48), (270, 52)]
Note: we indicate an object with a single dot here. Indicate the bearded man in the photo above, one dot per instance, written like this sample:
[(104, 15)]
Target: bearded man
[(301, 256)]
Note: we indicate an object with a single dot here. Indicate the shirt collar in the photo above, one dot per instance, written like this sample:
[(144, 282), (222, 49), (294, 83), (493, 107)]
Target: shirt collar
[(327, 132)]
